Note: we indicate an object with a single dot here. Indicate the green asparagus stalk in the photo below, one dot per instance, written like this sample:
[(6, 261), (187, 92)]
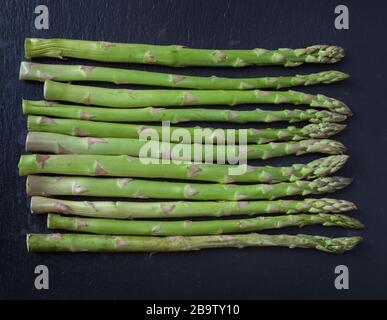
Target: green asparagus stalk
[(195, 228), (137, 188), (84, 128), (57, 72), (124, 166), (150, 114), (100, 243), (43, 142), (185, 209), (128, 98), (178, 56)]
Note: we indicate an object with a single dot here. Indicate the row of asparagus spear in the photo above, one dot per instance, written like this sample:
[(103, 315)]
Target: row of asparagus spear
[(58, 72), (154, 114), (126, 166), (128, 210), (92, 151), (209, 135)]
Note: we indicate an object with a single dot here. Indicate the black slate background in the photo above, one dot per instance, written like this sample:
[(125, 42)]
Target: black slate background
[(226, 273)]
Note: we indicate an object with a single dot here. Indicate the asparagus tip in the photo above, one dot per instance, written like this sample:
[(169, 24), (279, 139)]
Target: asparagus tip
[(328, 165), (340, 107), (323, 129), (331, 76), (331, 184), (355, 224), (339, 75), (325, 53), (344, 221), (324, 146), (327, 116), (343, 75), (338, 245), (330, 205)]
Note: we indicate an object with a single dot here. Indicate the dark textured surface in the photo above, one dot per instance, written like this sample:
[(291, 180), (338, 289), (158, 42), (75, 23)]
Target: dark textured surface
[(233, 273)]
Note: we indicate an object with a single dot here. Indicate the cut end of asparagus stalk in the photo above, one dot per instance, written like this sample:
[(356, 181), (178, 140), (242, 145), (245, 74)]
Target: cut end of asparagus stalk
[(49, 221), (40, 205), (28, 236), (28, 42), (25, 104), (36, 142), (20, 166), (34, 47), (46, 86), (33, 185), (29, 142), (23, 72), (36, 203)]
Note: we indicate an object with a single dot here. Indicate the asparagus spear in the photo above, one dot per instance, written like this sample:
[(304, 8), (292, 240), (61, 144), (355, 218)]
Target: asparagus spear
[(136, 188), (195, 228), (44, 142), (124, 166), (100, 243), (126, 98), (178, 56), (150, 114), (184, 209), (57, 72), (84, 128)]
